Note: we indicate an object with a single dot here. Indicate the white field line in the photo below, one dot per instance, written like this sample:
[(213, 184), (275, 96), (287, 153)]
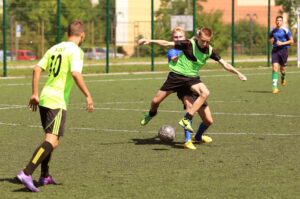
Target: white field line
[(155, 132), (169, 111), (154, 78)]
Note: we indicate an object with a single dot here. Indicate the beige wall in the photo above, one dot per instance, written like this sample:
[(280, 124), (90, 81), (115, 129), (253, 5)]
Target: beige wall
[(242, 8), (139, 21)]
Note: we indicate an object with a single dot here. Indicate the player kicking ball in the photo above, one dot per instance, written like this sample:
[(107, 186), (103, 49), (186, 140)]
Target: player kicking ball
[(184, 72)]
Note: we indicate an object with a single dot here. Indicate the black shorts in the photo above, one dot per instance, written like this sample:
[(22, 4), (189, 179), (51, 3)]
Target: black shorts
[(186, 91), (53, 120), (280, 55), (175, 82)]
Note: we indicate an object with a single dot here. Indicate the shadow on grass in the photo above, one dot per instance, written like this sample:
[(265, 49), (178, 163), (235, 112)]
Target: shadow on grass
[(23, 189), (259, 91), (156, 141)]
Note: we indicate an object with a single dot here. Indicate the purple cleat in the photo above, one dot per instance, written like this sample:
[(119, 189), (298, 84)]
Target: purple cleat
[(27, 181), (45, 181)]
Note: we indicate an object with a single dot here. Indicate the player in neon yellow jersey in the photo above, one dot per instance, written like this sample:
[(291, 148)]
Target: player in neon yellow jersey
[(64, 63), (185, 71)]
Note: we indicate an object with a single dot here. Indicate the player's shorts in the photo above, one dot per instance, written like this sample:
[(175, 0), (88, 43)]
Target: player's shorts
[(175, 81), (280, 55), (53, 120), (186, 91)]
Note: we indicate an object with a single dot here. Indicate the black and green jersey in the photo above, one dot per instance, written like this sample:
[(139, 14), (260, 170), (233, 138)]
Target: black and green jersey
[(192, 58)]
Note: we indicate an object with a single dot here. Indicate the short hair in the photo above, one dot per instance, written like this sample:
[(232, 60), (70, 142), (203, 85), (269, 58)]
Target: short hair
[(205, 31), (281, 17), (178, 29), (76, 28)]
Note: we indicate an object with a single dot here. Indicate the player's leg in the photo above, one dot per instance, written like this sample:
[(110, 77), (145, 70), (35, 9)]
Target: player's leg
[(53, 124), (159, 97), (283, 61), (188, 102), (275, 66), (203, 93), (45, 177), (207, 121)]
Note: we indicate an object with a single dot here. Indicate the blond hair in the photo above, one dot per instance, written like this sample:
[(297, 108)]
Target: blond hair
[(178, 29)]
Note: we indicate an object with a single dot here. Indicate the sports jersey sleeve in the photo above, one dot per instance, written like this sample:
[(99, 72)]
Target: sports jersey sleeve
[(289, 34), (77, 60), (214, 55), (271, 34), (182, 44), (43, 63)]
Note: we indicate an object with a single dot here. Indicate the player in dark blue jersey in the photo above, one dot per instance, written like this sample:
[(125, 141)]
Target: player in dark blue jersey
[(281, 38)]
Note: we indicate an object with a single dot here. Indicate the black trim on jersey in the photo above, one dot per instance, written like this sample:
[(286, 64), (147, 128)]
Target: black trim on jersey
[(187, 47)]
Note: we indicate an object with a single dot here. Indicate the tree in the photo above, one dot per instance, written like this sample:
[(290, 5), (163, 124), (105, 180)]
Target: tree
[(290, 6), (243, 37), (211, 20)]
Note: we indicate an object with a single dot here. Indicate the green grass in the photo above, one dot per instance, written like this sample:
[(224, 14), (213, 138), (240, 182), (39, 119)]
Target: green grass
[(107, 154), (124, 68)]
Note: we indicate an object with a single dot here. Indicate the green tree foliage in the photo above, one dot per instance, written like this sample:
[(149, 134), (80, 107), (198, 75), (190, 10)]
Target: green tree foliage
[(30, 14), (211, 20), (259, 37), (290, 6)]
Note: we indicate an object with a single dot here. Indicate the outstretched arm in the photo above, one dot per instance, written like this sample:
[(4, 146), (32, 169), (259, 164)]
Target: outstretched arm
[(80, 83), (157, 42), (230, 68)]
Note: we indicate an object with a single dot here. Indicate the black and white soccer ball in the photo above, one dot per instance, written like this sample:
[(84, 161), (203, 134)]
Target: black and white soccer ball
[(167, 133)]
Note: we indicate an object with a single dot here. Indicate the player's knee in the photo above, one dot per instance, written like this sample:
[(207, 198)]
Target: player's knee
[(208, 122), (54, 144), (156, 101), (205, 94)]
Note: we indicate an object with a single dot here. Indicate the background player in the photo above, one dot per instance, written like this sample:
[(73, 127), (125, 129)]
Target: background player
[(281, 38), (64, 63)]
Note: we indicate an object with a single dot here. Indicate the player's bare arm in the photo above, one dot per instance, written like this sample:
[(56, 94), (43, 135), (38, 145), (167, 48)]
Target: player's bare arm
[(157, 42), (288, 42), (174, 59), (81, 84), (34, 99), (230, 68)]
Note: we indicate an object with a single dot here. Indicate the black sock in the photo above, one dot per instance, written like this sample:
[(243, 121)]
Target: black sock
[(38, 156), (45, 166), (188, 116), (152, 114)]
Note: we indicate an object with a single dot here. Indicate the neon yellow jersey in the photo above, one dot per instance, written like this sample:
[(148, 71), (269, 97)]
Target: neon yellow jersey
[(60, 61), (190, 68)]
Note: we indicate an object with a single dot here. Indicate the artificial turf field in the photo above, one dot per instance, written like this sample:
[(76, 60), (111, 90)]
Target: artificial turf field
[(107, 154)]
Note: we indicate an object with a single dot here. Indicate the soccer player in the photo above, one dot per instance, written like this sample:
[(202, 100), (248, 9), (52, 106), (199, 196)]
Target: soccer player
[(188, 98), (177, 35), (281, 38), (185, 71), (64, 64)]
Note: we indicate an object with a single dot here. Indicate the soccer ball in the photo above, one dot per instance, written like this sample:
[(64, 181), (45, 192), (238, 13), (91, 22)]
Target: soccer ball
[(166, 133)]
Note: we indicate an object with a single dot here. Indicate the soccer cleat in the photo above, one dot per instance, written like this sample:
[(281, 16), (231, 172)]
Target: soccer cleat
[(185, 123), (204, 139), (146, 119), (275, 90), (283, 81), (45, 181), (27, 181), (189, 145)]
